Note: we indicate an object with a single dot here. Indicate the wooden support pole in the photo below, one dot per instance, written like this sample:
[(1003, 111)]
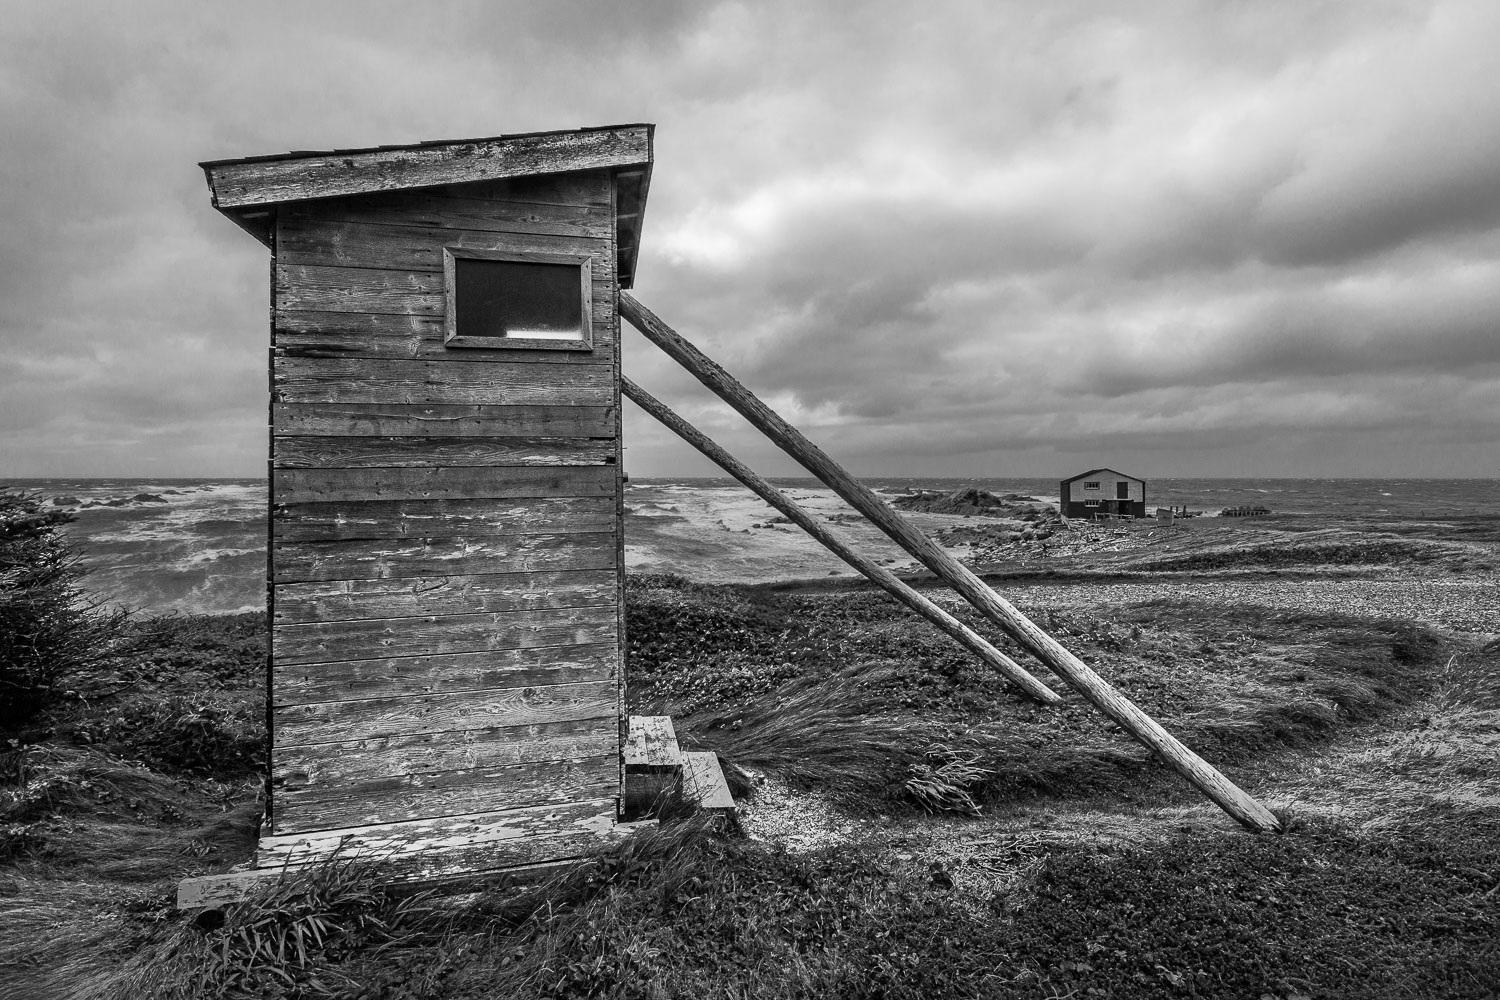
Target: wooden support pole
[(836, 544), (1085, 681)]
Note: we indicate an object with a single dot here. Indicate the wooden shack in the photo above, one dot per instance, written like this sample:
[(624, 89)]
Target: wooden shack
[(1102, 492), (445, 575)]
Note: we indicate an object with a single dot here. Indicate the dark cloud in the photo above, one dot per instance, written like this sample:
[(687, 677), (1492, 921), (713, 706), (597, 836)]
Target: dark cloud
[(940, 237)]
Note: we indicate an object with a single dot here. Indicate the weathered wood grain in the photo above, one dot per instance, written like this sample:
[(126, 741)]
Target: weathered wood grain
[(323, 642), (295, 725), (444, 420), (344, 380), (328, 522), (326, 242), (349, 761), (1098, 692), (329, 288), (203, 891), (424, 452), (384, 559), (341, 600), (359, 289), (301, 808), (352, 172), (651, 745), (320, 334), (589, 188), (452, 844), (337, 485), (703, 782), (533, 666), (471, 210)]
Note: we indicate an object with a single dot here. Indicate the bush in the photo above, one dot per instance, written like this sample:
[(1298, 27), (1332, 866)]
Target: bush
[(213, 735), (50, 633)]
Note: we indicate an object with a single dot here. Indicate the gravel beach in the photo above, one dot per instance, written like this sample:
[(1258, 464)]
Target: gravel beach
[(1461, 605)]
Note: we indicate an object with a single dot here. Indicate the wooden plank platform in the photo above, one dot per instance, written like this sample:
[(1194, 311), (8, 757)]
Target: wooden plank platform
[(703, 782), (651, 745), (219, 890)]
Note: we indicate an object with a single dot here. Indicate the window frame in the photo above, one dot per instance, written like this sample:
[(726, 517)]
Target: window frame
[(1092, 484), (452, 337)]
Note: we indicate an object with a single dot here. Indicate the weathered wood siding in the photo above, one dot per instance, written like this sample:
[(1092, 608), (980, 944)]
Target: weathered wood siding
[(445, 558)]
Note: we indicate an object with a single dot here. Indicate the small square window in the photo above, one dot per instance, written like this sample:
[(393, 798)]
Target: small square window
[(1091, 503), (1091, 486), (518, 299)]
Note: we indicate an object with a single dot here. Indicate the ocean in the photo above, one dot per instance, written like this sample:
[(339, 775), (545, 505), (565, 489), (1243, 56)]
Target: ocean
[(198, 546)]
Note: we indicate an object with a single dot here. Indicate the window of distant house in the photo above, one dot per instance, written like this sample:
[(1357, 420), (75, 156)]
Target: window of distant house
[(504, 299), (1091, 503), (1091, 486)]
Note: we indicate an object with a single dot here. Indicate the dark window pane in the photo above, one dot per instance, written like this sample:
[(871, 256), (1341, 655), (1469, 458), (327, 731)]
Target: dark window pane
[(512, 298)]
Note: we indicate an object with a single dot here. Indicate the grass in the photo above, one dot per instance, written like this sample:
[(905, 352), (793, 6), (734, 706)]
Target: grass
[(845, 695), (878, 703), (685, 913)]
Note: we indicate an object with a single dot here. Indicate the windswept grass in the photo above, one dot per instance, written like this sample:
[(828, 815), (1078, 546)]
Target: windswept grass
[(848, 695), (882, 709)]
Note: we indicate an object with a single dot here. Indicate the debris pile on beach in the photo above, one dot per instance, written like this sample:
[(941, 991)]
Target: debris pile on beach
[(972, 501)]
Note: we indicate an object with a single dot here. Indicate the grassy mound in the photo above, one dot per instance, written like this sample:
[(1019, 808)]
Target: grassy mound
[(854, 695)]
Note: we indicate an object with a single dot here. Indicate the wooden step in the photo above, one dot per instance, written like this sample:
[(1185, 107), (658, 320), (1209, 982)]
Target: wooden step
[(703, 782), (651, 746)]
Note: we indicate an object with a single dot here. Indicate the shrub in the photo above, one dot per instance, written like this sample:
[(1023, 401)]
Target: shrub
[(50, 633), (216, 735)]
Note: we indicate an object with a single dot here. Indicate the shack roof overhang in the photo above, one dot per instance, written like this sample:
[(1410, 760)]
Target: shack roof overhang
[(248, 189)]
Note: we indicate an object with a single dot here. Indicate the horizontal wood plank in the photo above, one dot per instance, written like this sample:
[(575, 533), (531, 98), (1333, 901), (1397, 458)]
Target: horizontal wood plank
[(386, 559), (474, 208), (349, 761), (355, 519), (323, 642), (326, 288), (301, 808), (342, 600), (314, 241), (336, 173), (296, 725), (451, 845), (320, 334), (337, 485), (343, 380), (703, 782), (651, 745), (425, 452), (356, 289), (446, 420), (305, 684)]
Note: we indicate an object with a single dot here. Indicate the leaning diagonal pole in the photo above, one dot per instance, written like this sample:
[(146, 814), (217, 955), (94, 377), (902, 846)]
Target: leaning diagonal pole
[(1085, 681), (965, 636)]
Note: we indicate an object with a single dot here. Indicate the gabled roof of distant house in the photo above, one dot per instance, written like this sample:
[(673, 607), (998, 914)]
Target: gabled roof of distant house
[(1095, 472), (247, 189)]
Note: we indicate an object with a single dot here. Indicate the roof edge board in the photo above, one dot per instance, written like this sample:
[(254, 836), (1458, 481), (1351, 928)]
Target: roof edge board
[(263, 181)]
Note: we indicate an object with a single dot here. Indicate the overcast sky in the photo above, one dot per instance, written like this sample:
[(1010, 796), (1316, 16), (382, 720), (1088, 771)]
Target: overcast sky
[(987, 239)]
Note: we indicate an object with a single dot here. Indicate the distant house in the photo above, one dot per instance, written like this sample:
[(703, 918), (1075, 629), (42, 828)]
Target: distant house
[(1102, 491)]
